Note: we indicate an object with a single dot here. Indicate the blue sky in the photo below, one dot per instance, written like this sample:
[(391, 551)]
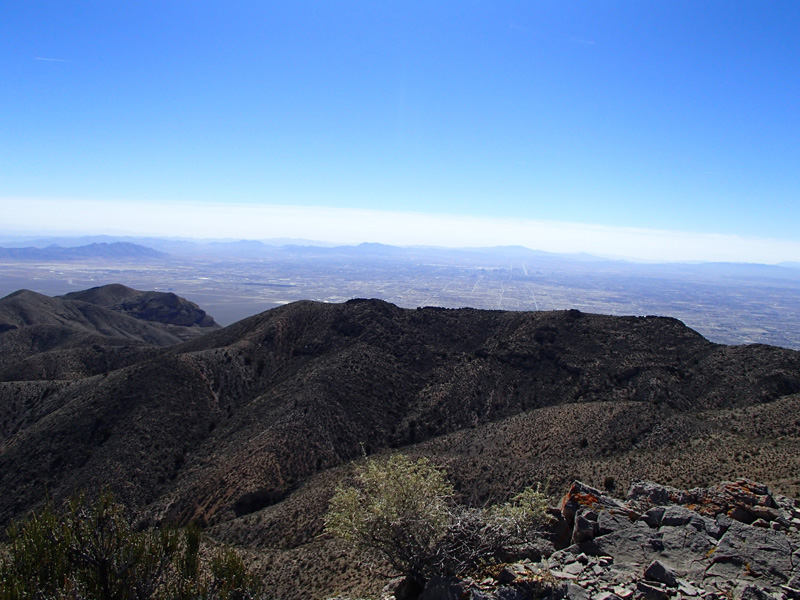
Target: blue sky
[(677, 117)]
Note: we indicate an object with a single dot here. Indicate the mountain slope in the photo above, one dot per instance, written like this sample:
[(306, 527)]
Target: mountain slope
[(60, 336), (249, 411)]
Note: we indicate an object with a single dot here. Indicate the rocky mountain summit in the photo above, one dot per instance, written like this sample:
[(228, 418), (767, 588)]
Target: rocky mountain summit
[(730, 541)]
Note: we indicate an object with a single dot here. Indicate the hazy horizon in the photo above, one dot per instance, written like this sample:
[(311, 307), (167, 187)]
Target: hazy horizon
[(345, 226)]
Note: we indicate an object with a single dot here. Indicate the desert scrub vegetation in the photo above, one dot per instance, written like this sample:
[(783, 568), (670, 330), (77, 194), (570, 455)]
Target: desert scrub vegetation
[(403, 511), (90, 550)]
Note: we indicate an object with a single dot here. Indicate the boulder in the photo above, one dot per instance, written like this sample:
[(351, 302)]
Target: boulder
[(658, 571)]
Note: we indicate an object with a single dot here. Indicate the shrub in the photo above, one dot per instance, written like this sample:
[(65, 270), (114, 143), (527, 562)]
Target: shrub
[(523, 516), (403, 511), (399, 509), (91, 551)]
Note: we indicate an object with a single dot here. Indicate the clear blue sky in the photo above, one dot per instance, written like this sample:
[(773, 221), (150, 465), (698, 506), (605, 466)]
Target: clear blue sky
[(674, 115)]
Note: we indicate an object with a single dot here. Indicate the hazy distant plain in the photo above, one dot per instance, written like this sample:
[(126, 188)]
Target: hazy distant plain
[(732, 304)]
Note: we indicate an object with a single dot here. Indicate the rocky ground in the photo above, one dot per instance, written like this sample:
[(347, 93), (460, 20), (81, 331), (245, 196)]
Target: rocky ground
[(734, 540)]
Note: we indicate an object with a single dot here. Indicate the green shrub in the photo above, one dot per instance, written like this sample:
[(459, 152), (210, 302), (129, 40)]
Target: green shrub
[(399, 509), (523, 516), (403, 511), (91, 551)]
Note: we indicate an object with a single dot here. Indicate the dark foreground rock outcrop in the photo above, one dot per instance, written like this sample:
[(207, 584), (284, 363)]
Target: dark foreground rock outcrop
[(734, 540)]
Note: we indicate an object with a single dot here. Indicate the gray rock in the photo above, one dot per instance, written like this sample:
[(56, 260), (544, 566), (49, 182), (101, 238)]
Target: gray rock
[(653, 493), (757, 552), (658, 571), (707, 525), (623, 592), (506, 575), (612, 520), (765, 512), (584, 530), (741, 514), (688, 589), (625, 545), (653, 516), (751, 592), (510, 593), (560, 574), (676, 515), (575, 568), (443, 588), (791, 592), (576, 592), (650, 591), (606, 596), (686, 549)]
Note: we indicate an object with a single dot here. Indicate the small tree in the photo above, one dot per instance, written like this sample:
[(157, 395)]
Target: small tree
[(399, 509)]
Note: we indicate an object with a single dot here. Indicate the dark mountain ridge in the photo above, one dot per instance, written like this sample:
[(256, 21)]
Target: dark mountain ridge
[(58, 337)]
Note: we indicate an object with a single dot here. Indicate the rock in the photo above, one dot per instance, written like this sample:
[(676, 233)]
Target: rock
[(751, 592), (562, 574), (443, 588), (624, 545), (687, 589), (622, 592), (686, 549), (510, 593), (765, 512), (707, 525), (612, 520), (576, 592), (584, 530), (650, 591), (757, 552), (506, 575), (741, 514), (582, 496), (791, 592), (658, 571), (655, 494), (676, 515), (653, 516)]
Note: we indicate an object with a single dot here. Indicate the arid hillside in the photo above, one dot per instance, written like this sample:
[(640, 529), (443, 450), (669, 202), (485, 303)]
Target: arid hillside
[(247, 429)]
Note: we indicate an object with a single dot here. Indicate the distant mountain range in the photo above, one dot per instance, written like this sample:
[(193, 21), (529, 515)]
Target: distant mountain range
[(121, 248), (103, 250), (248, 429)]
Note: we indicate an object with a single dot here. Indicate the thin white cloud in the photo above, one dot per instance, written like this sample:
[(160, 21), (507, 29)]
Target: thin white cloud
[(51, 59), (353, 226)]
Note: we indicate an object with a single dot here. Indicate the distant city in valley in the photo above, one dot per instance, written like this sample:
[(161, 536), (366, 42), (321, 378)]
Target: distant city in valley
[(728, 303)]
